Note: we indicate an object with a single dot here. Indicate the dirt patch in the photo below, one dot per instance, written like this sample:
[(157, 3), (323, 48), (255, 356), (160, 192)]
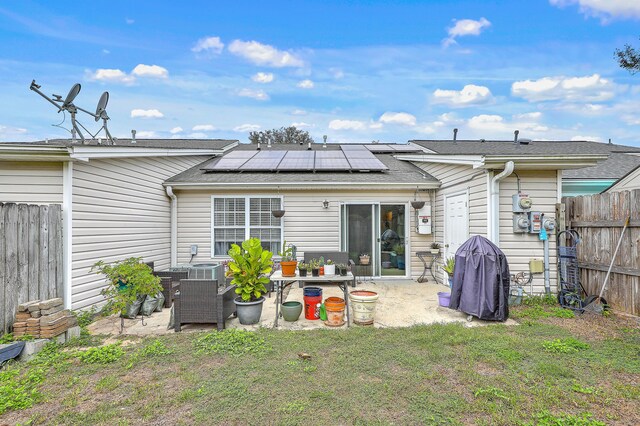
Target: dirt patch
[(597, 327)]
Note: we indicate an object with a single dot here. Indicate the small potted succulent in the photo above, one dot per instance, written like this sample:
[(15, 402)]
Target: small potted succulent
[(435, 248), (329, 267), (342, 269), (449, 267), (364, 259), (315, 268), (288, 260), (303, 268)]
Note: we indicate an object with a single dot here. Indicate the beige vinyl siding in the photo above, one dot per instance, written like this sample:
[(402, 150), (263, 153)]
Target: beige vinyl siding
[(628, 183), (31, 182), (120, 209), (542, 187), (456, 179), (306, 223)]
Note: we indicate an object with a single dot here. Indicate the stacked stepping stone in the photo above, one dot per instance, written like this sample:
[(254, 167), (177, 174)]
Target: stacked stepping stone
[(43, 319)]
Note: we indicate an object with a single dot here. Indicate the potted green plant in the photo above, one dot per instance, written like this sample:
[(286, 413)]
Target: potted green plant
[(329, 267), (288, 262), (250, 267), (364, 259), (129, 282), (435, 248), (315, 268), (342, 269), (399, 250), (303, 268), (449, 267)]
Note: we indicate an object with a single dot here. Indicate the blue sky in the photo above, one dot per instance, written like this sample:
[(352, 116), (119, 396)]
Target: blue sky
[(356, 71)]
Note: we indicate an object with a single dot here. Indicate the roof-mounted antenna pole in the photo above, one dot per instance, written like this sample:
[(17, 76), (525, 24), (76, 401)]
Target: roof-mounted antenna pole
[(324, 144), (309, 146), (259, 147), (455, 135), (515, 137), (133, 136), (269, 143), (610, 141)]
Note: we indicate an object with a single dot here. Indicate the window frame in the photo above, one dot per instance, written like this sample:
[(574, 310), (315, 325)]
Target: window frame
[(247, 220)]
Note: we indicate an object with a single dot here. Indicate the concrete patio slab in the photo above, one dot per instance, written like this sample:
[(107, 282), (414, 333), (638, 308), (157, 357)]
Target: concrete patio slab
[(402, 303)]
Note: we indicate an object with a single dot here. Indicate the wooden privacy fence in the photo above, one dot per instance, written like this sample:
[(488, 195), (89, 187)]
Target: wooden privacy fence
[(31, 262), (599, 219)]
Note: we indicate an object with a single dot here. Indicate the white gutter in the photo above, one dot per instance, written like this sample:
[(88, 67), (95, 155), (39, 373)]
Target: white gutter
[(302, 185), (174, 226), (493, 219), (67, 231)]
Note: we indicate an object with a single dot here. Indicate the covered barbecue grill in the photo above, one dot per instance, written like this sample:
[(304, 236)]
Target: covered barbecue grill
[(481, 280)]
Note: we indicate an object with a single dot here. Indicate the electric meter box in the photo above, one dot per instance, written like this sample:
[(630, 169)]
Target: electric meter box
[(535, 222), (424, 220), (520, 223), (521, 203)]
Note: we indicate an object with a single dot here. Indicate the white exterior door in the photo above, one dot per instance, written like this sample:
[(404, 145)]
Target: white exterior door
[(456, 222)]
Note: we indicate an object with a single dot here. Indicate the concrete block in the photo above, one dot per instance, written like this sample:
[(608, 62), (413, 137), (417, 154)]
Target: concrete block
[(48, 304), (31, 348), (72, 332), (60, 339)]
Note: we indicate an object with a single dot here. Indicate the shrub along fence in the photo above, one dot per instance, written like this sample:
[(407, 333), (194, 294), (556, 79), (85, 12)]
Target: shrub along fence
[(31, 262), (599, 219)]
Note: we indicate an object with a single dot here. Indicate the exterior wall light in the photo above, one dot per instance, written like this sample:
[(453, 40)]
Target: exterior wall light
[(325, 204)]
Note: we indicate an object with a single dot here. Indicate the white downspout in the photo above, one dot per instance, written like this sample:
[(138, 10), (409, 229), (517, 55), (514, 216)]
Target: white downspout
[(174, 226), (67, 232), (494, 206)]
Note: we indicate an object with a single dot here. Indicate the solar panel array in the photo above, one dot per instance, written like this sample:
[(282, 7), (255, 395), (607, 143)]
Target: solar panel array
[(350, 157)]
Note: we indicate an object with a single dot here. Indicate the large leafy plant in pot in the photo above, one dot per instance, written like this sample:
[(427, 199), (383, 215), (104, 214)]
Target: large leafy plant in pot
[(250, 266), (129, 282)]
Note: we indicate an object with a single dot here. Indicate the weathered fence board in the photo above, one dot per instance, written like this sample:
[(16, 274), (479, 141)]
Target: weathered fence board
[(30, 256), (599, 219)]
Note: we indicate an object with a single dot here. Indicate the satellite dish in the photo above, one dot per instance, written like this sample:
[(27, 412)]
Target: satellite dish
[(72, 95), (102, 105)]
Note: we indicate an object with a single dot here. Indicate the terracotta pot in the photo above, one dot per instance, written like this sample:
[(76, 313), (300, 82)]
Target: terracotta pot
[(364, 260), (289, 268)]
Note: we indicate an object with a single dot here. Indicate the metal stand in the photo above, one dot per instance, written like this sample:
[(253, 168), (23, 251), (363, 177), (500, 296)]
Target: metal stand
[(422, 255)]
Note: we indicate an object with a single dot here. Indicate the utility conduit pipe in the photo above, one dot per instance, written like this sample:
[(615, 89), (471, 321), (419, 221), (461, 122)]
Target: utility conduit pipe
[(493, 221)]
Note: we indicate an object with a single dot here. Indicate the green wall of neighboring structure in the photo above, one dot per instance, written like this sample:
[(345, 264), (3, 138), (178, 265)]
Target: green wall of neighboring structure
[(575, 187)]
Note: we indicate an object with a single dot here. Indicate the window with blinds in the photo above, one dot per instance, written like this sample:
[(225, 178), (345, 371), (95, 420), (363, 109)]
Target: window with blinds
[(238, 218)]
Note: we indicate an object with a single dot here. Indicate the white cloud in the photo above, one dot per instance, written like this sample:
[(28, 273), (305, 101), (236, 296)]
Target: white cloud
[(448, 119), (465, 27), (255, 94), (105, 51), (337, 73), (347, 125), (12, 133), (468, 96), (154, 71), (198, 135), (402, 118), (298, 112), (146, 113), (586, 138), (129, 21), (376, 125), (606, 10), (246, 128), (589, 88), (109, 75), (209, 45), (146, 134), (423, 128), (203, 128), (302, 125), (263, 54), (492, 123), (176, 130), (536, 115), (305, 84), (263, 77)]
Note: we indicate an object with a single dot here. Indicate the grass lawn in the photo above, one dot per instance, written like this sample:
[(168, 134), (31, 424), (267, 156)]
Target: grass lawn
[(546, 371)]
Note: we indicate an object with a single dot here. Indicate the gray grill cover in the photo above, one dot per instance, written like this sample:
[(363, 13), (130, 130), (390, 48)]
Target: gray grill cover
[(481, 280)]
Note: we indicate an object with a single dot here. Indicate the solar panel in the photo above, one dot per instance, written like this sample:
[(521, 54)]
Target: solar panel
[(298, 160), (264, 160), (379, 148), (352, 147), (359, 154), (366, 164), (332, 164), (231, 161), (329, 154), (405, 148), (241, 154)]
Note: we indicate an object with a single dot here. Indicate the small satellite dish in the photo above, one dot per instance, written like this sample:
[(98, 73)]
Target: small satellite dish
[(72, 95), (102, 105)]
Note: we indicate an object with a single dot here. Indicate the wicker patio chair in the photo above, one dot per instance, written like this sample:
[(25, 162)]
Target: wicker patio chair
[(175, 277), (203, 302)]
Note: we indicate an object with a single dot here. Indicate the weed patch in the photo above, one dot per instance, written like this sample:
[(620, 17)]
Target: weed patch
[(157, 348), (534, 312), (232, 341), (564, 346), (102, 354), (545, 418), (491, 393)]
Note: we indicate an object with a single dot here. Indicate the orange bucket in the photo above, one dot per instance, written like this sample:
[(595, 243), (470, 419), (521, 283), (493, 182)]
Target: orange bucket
[(335, 311)]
